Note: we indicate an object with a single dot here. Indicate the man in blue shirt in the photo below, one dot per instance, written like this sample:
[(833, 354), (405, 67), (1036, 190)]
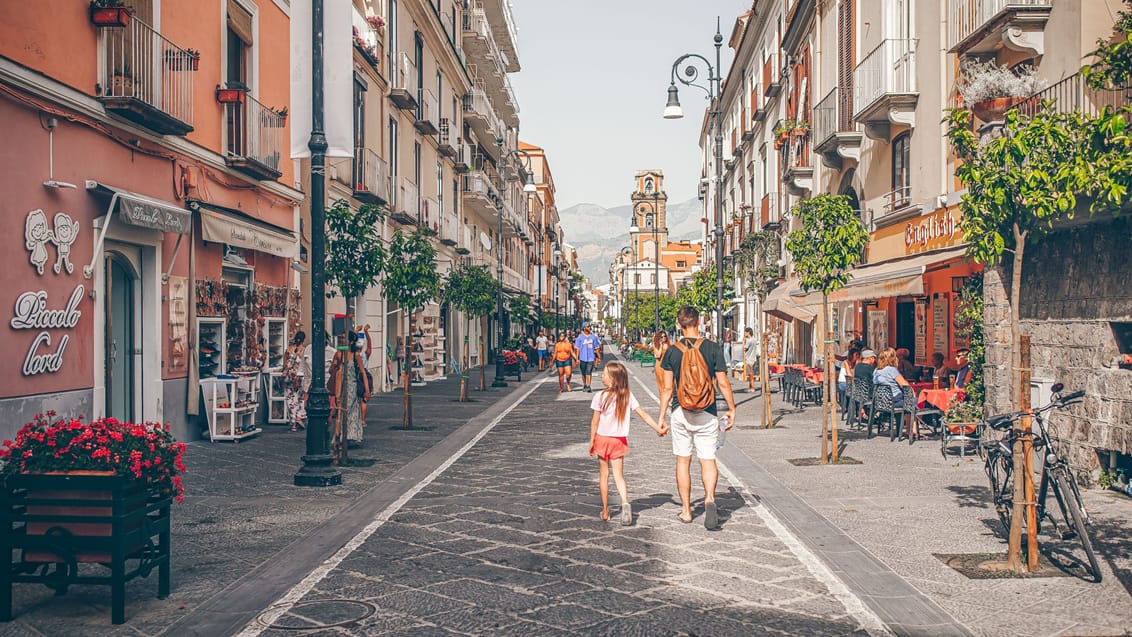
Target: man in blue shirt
[(587, 349)]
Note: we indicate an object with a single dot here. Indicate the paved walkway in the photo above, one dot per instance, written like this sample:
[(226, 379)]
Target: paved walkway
[(507, 541)]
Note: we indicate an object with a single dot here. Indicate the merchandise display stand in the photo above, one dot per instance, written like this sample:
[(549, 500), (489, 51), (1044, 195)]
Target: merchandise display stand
[(429, 345), (211, 347), (275, 345), (231, 403)]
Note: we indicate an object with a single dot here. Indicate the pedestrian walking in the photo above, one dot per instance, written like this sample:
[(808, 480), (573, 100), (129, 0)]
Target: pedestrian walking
[(609, 435), (751, 347), (587, 349), (349, 384), (542, 345), (690, 367), (563, 362), (660, 345), (293, 381)]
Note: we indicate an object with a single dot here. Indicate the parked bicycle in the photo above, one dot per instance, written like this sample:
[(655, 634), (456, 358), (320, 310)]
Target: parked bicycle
[(1055, 475)]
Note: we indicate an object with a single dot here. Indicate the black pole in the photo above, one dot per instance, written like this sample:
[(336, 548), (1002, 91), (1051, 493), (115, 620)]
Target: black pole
[(499, 381), (716, 118), (317, 469)]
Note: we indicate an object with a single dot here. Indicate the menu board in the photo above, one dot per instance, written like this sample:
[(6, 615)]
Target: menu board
[(878, 329), (922, 331), (940, 324), (178, 321)]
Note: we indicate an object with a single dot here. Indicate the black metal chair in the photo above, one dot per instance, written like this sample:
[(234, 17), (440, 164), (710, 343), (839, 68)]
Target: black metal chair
[(917, 415), (861, 399), (885, 406)]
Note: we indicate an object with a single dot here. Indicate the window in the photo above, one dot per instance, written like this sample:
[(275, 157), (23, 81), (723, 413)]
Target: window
[(440, 187), (648, 220), (681, 263), (649, 187), (393, 165), (239, 40), (360, 134), (901, 183), (636, 279)]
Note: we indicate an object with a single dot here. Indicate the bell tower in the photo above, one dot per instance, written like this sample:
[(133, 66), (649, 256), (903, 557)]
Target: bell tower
[(650, 214)]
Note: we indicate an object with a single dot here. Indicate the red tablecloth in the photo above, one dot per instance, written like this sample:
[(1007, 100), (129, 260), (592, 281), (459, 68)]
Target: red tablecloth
[(776, 369), (919, 387), (814, 375), (941, 398)]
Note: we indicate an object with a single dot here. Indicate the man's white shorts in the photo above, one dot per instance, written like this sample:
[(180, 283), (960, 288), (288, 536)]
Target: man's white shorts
[(698, 429)]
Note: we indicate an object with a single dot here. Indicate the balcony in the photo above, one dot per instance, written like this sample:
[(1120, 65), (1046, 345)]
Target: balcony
[(884, 88), (982, 26), (371, 177), (403, 90), (479, 194), (794, 158), (460, 159), (430, 216), (1072, 95), (145, 78), (444, 139), (466, 245), (255, 135), (480, 116), (427, 117), (367, 41), (449, 229), (772, 80), (406, 208), (834, 137), (771, 210)]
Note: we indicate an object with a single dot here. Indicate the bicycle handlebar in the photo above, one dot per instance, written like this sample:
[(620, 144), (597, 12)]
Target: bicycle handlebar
[(1003, 421)]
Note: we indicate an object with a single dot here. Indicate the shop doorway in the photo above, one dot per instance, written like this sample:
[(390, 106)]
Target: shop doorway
[(122, 334), (906, 327)]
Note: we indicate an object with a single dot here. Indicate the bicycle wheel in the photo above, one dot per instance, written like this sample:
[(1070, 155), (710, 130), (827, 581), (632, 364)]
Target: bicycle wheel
[(999, 470), (1070, 498)]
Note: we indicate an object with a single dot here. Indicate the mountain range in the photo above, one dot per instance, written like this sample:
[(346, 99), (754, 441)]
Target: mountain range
[(598, 233)]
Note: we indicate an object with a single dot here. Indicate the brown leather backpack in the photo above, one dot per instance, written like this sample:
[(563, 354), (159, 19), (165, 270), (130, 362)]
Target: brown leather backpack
[(694, 391)]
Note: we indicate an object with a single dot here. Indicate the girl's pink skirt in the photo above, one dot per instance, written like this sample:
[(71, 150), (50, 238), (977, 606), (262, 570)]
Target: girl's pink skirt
[(608, 447)]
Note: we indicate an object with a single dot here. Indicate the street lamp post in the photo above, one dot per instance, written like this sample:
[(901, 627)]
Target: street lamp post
[(557, 255), (528, 187), (672, 110), (317, 469)]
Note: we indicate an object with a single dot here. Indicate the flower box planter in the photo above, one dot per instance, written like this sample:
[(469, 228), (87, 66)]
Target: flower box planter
[(515, 370), (993, 109), (231, 95), (51, 523), (109, 16)]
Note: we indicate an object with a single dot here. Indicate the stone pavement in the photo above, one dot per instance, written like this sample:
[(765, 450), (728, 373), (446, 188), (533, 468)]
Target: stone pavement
[(242, 513), (905, 504), (507, 541)]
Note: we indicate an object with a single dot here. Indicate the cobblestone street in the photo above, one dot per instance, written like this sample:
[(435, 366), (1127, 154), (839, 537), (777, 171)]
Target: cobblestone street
[(507, 541)]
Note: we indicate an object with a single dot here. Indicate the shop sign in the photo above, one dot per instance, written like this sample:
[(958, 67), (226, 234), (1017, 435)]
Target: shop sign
[(937, 230), (32, 311), (148, 215)]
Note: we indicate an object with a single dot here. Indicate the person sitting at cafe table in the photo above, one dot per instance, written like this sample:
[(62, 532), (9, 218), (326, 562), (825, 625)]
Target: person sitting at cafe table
[(904, 363), (938, 369), (866, 365), (887, 373), (845, 376), (963, 372)]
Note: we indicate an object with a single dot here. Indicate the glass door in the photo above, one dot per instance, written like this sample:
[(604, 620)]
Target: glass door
[(122, 348)]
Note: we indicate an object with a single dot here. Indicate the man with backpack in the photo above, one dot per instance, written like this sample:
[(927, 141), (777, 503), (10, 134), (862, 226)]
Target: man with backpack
[(691, 367)]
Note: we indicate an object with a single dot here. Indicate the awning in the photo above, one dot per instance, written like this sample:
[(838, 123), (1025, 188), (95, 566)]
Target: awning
[(902, 277), (233, 227), (779, 304), (146, 212)]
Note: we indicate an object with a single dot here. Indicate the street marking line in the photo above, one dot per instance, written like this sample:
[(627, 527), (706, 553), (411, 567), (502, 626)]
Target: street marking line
[(853, 605), (300, 590)]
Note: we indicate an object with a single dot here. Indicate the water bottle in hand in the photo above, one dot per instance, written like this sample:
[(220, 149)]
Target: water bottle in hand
[(724, 422)]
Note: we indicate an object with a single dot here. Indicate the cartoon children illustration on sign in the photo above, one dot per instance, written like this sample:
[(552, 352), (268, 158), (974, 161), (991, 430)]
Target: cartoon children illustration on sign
[(36, 236), (66, 230)]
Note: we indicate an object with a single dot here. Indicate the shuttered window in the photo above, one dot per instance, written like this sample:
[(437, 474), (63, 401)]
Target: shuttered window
[(846, 34), (240, 22)]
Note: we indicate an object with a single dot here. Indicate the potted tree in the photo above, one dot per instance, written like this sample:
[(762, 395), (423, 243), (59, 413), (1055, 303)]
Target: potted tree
[(471, 290), (990, 90), (109, 13)]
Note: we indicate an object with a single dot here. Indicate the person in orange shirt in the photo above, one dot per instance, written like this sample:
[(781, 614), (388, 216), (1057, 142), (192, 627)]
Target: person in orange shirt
[(564, 362)]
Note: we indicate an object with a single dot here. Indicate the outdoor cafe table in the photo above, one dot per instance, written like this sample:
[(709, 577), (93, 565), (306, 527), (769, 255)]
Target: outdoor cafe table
[(940, 398), (813, 375)]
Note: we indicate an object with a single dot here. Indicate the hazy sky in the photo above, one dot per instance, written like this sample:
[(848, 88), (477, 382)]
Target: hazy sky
[(593, 86)]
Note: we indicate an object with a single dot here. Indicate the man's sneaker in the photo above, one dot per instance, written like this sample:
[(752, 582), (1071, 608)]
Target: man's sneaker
[(711, 517)]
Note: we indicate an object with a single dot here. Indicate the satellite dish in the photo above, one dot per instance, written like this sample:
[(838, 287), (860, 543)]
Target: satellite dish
[(485, 241)]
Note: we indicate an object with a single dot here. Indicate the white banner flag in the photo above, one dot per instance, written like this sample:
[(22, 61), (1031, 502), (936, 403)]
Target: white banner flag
[(338, 77)]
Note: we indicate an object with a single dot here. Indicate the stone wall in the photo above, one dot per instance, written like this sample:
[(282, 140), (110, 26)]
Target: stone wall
[(1074, 283)]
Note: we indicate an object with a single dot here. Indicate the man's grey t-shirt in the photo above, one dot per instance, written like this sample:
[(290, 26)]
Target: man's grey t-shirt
[(713, 356)]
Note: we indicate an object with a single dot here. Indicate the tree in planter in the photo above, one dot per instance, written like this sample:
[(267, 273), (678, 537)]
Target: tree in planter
[(471, 290), (410, 280), (355, 254), (1024, 179), (757, 261), (830, 242)]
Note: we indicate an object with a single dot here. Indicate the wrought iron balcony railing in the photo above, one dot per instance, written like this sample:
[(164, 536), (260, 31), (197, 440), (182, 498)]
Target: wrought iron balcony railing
[(371, 176), (146, 78), (255, 137)]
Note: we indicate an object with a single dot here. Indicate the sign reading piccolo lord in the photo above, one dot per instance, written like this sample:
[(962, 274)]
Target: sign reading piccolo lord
[(33, 311)]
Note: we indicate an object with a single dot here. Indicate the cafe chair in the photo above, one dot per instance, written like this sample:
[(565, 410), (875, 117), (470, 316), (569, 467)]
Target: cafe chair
[(860, 399), (927, 418), (885, 407)]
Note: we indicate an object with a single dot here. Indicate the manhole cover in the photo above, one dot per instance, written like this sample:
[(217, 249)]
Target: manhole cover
[(993, 566), (816, 462), (316, 614)]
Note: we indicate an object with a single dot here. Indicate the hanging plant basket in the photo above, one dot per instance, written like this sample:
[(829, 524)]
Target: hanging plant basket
[(102, 16)]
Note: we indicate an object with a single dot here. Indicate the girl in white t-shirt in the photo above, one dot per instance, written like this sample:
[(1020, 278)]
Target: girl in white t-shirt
[(609, 434)]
